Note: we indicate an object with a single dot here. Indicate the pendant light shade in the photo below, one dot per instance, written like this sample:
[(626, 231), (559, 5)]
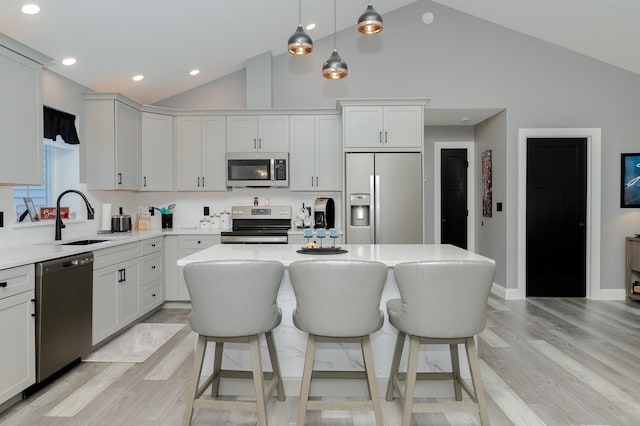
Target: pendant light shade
[(370, 22), (334, 68), (300, 43)]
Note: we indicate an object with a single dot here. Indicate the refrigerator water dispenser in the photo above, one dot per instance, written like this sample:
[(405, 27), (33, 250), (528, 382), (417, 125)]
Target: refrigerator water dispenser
[(360, 205)]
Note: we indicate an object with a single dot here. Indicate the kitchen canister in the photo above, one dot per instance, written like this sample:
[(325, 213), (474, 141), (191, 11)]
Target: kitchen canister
[(204, 225), (215, 221), (225, 220)]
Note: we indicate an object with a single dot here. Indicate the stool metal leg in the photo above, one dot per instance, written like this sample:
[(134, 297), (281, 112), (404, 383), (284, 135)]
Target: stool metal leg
[(455, 368), (198, 359), (275, 365), (306, 378), (474, 366), (395, 365), (256, 362), (367, 354)]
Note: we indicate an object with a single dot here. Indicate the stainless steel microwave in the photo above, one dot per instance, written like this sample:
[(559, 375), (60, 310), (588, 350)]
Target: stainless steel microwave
[(254, 169)]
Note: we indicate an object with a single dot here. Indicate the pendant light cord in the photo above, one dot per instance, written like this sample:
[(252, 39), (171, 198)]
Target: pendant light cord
[(300, 12), (335, 43)]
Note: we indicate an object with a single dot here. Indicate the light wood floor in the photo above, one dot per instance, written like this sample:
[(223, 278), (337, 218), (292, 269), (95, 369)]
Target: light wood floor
[(544, 361)]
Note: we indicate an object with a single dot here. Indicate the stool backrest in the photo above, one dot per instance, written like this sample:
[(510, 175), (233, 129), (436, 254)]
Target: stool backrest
[(233, 297), (338, 298), (444, 299)]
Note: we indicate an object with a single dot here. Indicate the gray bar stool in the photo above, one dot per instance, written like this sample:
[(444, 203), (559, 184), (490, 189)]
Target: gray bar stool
[(234, 301), (338, 301), (441, 302)]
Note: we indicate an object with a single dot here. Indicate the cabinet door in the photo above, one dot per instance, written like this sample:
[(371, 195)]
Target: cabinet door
[(189, 153), (242, 133), (328, 153), (98, 137), (302, 160), (20, 120), (403, 126), (126, 146), (129, 298), (213, 157), (156, 152), (273, 133), (105, 302), (17, 334), (363, 126)]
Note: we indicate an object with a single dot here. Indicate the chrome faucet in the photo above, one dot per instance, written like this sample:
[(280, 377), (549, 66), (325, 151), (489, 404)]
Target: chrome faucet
[(59, 224)]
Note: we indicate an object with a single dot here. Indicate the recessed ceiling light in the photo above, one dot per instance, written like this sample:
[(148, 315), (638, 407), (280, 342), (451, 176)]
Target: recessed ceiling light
[(465, 119), (138, 77), (194, 72), (310, 26), (30, 9), (427, 18), (68, 61)]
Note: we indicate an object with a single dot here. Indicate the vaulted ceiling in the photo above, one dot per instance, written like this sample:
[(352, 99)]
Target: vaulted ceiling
[(116, 39)]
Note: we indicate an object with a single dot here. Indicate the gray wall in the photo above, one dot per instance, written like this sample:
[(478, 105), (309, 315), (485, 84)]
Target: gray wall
[(227, 92), (463, 62)]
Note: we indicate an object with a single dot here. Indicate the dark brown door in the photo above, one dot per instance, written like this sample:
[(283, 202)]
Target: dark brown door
[(453, 199), (556, 216)]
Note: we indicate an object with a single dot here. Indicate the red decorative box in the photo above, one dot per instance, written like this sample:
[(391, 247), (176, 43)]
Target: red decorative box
[(48, 213)]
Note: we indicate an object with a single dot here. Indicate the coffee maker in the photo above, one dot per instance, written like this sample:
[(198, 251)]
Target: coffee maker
[(324, 213)]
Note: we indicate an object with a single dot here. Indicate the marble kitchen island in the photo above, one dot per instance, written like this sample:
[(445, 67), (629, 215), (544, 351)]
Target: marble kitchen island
[(291, 342)]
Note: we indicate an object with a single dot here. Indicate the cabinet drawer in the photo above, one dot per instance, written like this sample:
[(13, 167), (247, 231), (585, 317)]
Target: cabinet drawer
[(152, 245), (16, 280), (152, 296), (197, 242), (112, 255), (151, 267)]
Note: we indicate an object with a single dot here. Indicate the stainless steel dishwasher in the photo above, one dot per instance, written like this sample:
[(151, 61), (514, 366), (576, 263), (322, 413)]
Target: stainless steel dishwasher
[(64, 298)]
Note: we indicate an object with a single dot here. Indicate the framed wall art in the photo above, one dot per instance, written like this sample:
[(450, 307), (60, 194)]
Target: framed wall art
[(31, 208), (630, 180), (487, 206)]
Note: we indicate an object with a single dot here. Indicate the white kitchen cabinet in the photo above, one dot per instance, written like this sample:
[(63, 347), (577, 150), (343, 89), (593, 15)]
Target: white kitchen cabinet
[(176, 248), (200, 153), (17, 331), (315, 153), (383, 126), (21, 161), (111, 138), (157, 152), (116, 289), (253, 133), (152, 274)]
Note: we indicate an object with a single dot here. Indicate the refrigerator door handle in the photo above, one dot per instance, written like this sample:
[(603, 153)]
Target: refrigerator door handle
[(377, 222), (372, 213)]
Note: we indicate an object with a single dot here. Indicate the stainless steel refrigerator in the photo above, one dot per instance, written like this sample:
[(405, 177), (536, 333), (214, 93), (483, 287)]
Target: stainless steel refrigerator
[(383, 198)]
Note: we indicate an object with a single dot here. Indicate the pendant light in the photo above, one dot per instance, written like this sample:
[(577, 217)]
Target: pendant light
[(300, 43), (370, 22), (334, 68)]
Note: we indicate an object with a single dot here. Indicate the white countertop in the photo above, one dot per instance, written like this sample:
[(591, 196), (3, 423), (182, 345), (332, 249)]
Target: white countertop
[(389, 254)]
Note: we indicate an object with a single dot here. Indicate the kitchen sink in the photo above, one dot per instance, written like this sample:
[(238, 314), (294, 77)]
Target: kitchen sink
[(83, 242)]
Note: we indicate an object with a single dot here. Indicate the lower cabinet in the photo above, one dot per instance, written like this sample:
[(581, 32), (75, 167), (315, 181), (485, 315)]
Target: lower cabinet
[(116, 298), (17, 331), (127, 283), (176, 248)]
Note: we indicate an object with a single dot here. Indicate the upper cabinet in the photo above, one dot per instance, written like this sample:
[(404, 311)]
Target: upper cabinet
[(21, 162), (111, 138), (315, 153), (200, 153), (157, 152), (384, 126), (251, 133)]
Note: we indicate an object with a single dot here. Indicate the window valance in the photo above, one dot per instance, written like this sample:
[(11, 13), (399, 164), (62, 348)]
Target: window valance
[(60, 123)]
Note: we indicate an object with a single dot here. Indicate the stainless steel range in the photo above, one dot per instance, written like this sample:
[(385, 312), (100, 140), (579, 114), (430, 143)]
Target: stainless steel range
[(258, 225)]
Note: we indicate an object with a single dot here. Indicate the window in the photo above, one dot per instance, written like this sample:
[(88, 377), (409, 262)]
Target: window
[(61, 165)]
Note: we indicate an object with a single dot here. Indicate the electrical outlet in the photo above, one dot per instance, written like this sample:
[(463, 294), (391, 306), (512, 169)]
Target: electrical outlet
[(1, 219), (206, 210)]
